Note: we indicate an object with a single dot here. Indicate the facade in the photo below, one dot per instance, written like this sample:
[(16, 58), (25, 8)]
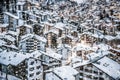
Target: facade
[(25, 67), (31, 42), (98, 69)]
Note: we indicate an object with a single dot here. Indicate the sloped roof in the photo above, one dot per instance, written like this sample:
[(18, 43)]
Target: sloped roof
[(109, 66), (66, 72), (28, 36)]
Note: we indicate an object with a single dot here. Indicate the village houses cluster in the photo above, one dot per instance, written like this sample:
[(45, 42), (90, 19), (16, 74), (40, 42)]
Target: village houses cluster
[(60, 40)]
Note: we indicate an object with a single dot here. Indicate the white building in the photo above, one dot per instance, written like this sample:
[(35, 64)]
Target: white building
[(62, 73), (31, 42), (98, 68), (65, 51), (21, 66)]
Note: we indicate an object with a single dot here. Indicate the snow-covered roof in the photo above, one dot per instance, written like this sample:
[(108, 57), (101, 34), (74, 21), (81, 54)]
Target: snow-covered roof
[(62, 46), (94, 35), (20, 3), (35, 54), (28, 36), (109, 38), (4, 25), (29, 26), (68, 36), (10, 77), (65, 72), (8, 37), (15, 58), (108, 66), (82, 63), (52, 31), (34, 21), (88, 33), (47, 23), (35, 2), (104, 47), (92, 57), (117, 50), (76, 59), (11, 46), (118, 36), (25, 25), (95, 56), (31, 14), (12, 32), (2, 42), (1, 50), (98, 36), (2, 35), (59, 25), (118, 46), (52, 54), (11, 15), (83, 47), (12, 58)]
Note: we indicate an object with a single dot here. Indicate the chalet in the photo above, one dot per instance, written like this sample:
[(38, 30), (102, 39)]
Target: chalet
[(51, 59), (11, 19), (102, 69), (23, 5), (82, 50), (66, 39), (31, 42), (51, 36), (24, 29), (65, 51), (21, 66), (62, 73), (8, 39)]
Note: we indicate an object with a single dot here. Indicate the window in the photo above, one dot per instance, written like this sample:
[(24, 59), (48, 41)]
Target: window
[(0, 67), (19, 7), (96, 78), (31, 75), (101, 73), (32, 63), (96, 72), (38, 67), (37, 73), (31, 69), (101, 78)]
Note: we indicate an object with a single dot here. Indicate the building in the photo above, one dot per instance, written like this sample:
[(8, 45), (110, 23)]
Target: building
[(31, 42), (98, 68), (21, 66), (62, 73)]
